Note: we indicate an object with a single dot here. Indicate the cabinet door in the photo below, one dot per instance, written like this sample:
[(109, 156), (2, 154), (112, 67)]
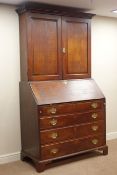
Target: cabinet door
[(76, 48), (44, 47)]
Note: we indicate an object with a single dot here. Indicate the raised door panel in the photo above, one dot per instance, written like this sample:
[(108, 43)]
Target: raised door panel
[(44, 47), (76, 48)]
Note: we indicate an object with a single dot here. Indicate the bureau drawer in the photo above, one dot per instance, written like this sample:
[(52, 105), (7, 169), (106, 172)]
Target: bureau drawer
[(91, 142), (70, 107), (70, 119), (57, 135), (58, 150), (74, 146), (90, 129), (56, 121)]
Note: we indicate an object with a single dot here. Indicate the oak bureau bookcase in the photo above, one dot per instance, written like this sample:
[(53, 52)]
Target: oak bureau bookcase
[(62, 109)]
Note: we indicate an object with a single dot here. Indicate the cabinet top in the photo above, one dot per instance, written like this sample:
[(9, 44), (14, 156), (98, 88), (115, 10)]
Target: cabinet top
[(53, 10), (61, 91)]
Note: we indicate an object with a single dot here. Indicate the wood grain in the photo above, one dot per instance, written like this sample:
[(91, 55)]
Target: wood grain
[(51, 92), (70, 119), (70, 147), (29, 122), (75, 39), (43, 38), (45, 47), (62, 134)]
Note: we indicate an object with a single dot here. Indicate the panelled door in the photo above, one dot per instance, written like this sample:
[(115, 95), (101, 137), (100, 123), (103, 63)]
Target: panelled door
[(44, 49), (58, 47), (76, 48)]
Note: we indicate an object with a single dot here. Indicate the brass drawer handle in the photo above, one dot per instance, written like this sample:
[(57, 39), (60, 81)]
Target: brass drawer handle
[(94, 105), (53, 122), (52, 110), (54, 151), (95, 128), (94, 115), (54, 135), (95, 141)]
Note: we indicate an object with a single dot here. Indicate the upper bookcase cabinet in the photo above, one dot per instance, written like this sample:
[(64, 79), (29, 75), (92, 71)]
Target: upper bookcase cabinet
[(55, 42)]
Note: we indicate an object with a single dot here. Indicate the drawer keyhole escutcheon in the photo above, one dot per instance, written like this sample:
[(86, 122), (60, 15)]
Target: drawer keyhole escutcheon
[(94, 115), (53, 122), (54, 151), (52, 110), (95, 128), (94, 105), (54, 135), (95, 141)]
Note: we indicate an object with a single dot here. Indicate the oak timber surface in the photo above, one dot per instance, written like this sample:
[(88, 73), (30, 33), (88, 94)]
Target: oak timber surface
[(59, 91)]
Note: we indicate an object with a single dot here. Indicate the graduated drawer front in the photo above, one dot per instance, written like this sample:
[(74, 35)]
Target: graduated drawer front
[(70, 119), (90, 129), (74, 146), (70, 108), (57, 135), (78, 131)]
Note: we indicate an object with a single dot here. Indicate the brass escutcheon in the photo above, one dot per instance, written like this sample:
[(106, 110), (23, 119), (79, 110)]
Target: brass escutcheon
[(94, 115), (95, 141), (94, 105), (52, 110), (94, 128), (53, 122), (54, 151), (54, 135)]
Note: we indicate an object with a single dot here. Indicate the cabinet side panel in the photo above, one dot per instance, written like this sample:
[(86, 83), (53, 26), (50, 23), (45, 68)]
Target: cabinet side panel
[(29, 121), (23, 46)]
